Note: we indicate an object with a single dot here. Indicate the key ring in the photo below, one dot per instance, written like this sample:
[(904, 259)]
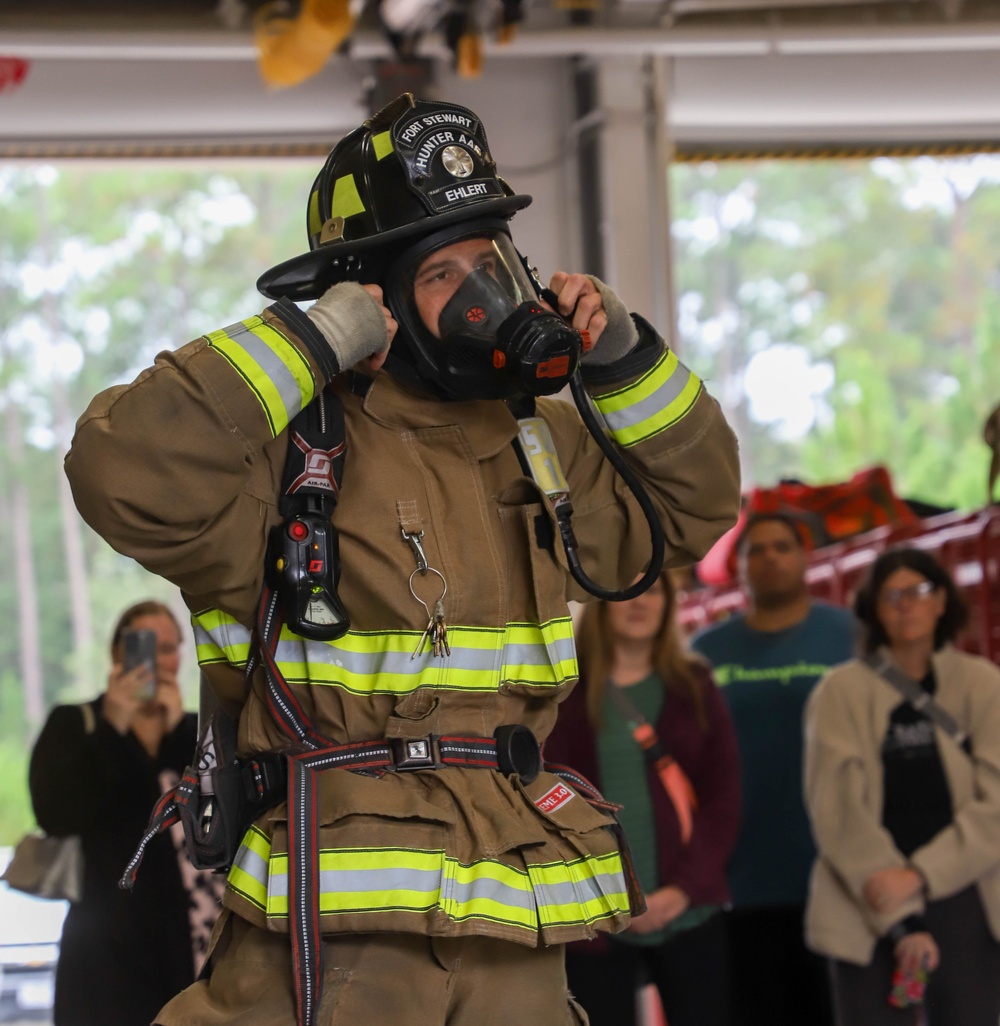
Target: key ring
[(429, 570)]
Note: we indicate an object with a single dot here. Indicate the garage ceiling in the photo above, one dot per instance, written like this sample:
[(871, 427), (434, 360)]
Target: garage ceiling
[(115, 76)]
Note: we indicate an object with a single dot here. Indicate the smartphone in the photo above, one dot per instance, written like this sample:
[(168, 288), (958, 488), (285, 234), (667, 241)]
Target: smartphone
[(139, 647), (908, 988)]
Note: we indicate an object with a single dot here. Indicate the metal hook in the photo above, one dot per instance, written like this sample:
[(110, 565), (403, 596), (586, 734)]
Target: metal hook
[(418, 550), (444, 592)]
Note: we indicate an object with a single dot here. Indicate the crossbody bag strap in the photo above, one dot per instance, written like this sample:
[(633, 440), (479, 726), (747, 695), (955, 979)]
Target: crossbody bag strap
[(89, 718), (673, 778), (880, 663)]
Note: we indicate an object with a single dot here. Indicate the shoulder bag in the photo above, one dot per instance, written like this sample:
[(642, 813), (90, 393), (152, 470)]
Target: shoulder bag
[(50, 867)]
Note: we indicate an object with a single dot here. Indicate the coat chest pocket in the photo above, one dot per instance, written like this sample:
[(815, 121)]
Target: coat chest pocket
[(536, 563), (537, 609)]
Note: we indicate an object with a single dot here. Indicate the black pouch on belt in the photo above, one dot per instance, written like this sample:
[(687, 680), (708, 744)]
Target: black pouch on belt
[(211, 801)]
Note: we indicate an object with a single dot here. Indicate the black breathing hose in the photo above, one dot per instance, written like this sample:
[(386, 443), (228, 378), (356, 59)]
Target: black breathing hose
[(564, 510)]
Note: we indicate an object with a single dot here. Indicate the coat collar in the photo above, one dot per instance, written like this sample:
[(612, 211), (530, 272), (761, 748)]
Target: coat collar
[(486, 424)]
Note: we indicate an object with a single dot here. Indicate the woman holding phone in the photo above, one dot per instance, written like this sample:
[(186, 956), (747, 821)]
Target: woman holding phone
[(95, 772)]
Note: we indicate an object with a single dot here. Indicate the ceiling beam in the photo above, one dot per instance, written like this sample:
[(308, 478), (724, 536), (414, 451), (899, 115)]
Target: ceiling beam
[(604, 41)]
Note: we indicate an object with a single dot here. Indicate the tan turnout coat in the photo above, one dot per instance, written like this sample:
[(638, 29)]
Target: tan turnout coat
[(182, 471)]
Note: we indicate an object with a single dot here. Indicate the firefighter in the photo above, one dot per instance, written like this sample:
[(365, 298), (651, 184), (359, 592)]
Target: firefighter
[(407, 651)]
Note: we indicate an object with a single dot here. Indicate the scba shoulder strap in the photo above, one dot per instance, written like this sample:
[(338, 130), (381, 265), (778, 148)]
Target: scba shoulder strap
[(219, 795), (303, 560)]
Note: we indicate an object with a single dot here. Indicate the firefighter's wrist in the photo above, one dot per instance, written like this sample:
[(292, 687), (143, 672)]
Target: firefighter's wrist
[(620, 336), (351, 321)]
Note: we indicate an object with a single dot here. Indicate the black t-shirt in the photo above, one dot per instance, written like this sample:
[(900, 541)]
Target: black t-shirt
[(917, 802)]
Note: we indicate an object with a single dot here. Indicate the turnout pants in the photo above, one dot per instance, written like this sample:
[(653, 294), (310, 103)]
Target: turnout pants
[(379, 979)]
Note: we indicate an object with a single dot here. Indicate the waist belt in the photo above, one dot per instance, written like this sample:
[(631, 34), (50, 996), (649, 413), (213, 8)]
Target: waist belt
[(512, 749)]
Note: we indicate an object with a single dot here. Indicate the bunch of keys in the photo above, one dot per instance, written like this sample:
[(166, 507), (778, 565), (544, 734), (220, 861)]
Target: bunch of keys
[(436, 629)]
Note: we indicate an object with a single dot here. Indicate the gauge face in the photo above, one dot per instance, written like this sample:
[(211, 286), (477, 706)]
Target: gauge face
[(321, 611)]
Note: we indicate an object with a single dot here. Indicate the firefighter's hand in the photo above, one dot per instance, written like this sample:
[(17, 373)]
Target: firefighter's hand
[(662, 908), (122, 699), (375, 362), (355, 323), (593, 307), (887, 889), (580, 303)]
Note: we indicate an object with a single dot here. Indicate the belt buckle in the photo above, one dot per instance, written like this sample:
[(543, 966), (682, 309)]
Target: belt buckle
[(413, 753), (263, 779)]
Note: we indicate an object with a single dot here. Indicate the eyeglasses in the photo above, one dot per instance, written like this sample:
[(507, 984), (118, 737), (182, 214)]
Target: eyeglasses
[(915, 592)]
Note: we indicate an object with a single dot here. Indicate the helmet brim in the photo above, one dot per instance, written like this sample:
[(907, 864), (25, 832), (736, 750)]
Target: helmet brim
[(309, 275)]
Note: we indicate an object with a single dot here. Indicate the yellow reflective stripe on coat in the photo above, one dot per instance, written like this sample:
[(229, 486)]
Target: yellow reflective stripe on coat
[(661, 397), (248, 873), (373, 880), (380, 663), (219, 638), (582, 891), (278, 374)]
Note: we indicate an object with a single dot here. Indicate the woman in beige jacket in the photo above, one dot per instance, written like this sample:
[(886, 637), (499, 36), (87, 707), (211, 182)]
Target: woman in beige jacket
[(906, 814)]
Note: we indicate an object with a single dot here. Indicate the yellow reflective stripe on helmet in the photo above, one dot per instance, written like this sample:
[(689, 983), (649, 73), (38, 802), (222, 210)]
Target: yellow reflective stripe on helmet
[(382, 144), (248, 873), (661, 397), (346, 199), (278, 374), (582, 891), (421, 881), (219, 638), (313, 215), (380, 663)]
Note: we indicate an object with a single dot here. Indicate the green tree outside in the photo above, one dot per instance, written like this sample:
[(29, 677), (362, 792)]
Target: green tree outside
[(880, 279)]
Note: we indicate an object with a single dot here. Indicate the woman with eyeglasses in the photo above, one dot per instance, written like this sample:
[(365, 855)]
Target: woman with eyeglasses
[(904, 798)]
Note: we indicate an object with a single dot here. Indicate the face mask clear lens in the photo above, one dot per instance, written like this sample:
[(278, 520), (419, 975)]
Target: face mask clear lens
[(481, 277), (471, 312)]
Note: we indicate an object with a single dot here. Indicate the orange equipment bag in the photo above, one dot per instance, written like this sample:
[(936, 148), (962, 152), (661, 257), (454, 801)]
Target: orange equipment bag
[(824, 513)]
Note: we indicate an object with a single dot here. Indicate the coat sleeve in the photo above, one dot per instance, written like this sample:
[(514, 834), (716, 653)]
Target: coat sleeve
[(673, 436), (970, 846), (702, 861), (849, 835), (172, 469)]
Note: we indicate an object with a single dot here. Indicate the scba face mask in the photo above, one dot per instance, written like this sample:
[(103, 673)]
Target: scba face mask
[(474, 323)]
